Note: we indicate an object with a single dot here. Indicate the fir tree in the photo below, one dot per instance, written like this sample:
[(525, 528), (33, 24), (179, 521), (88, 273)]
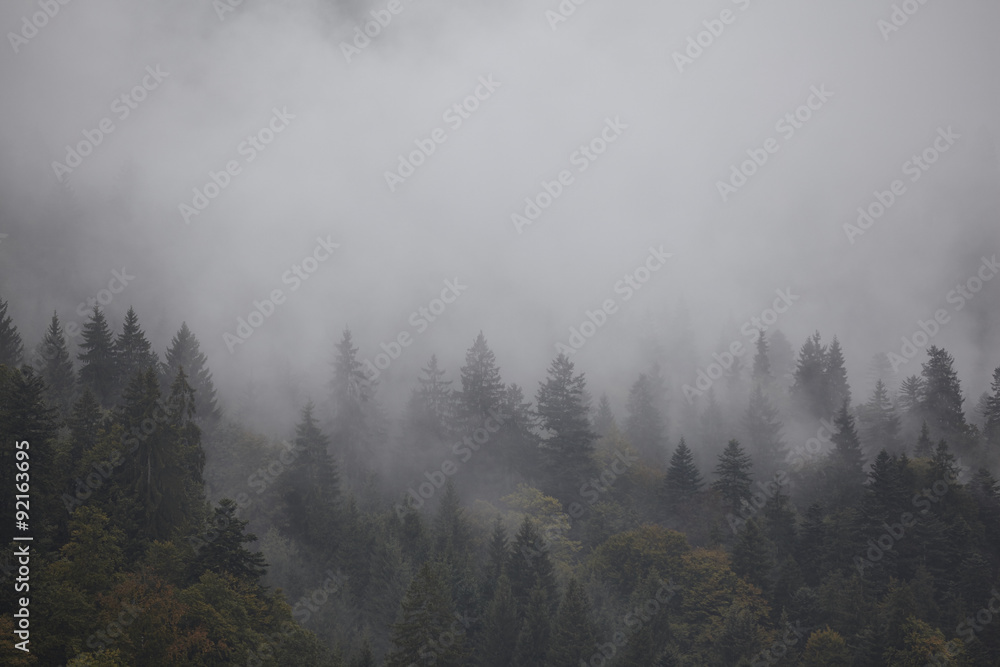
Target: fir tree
[(354, 423), (644, 428), (835, 384), (83, 426), (530, 565), (185, 351), (311, 487), (782, 358), (98, 359), (501, 627), (879, 422), (763, 429), (991, 415), (11, 348), (942, 396), (452, 535), (497, 557), (535, 636), (225, 553), (682, 480), (847, 461), (57, 368), (810, 376), (432, 404), (753, 556), (482, 389), (762, 374), (924, 447), (563, 415), (132, 351), (426, 615), (573, 632), (604, 420), (733, 472), (911, 395)]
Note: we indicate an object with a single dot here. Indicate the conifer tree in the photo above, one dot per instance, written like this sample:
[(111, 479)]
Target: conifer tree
[(604, 420), (573, 632), (563, 415), (84, 423), (432, 404), (763, 429), (879, 421), (733, 471), (501, 627), (911, 395), (355, 418), (781, 357), (311, 485), (924, 447), (132, 351), (482, 389), (535, 636), (57, 369), (517, 452), (452, 534), (225, 553), (530, 564), (644, 428), (11, 347), (682, 480), (185, 351), (835, 384), (753, 558), (847, 461), (762, 374), (942, 396), (497, 557), (991, 417), (810, 377), (426, 616), (98, 371)]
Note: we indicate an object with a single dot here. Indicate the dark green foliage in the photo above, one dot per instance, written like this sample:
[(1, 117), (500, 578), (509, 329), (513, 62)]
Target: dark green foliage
[(644, 427), (56, 369), (880, 424), (733, 472), (426, 632), (133, 353), (604, 420), (185, 352), (501, 627), (98, 369), (11, 347), (763, 429), (222, 550), (847, 461), (573, 633), (482, 388), (530, 565), (682, 480)]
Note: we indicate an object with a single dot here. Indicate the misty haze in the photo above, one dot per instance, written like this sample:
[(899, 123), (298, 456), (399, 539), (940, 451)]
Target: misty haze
[(555, 334)]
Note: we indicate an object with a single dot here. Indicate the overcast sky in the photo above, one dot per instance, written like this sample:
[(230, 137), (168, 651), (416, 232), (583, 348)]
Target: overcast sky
[(879, 96)]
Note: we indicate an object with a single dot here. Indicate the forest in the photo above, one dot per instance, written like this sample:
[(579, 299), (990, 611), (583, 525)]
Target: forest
[(777, 517)]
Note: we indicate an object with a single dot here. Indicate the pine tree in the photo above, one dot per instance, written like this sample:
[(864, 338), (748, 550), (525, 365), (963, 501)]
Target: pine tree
[(563, 415), (879, 422), (733, 473), (782, 358), (482, 389), (225, 553), (604, 420), (354, 428), (810, 373), (98, 358), (762, 374), (763, 429), (501, 627), (835, 384), (452, 534), (942, 397), (911, 395), (991, 416), (11, 348), (530, 564), (847, 461), (924, 447), (426, 617), (432, 404), (535, 636), (311, 485), (644, 427), (57, 369), (132, 351), (752, 556), (185, 351), (573, 632), (517, 450), (497, 557), (682, 480), (83, 426)]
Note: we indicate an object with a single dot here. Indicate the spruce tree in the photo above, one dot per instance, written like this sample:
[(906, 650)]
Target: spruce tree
[(452, 534), (11, 347), (835, 384), (924, 447), (432, 404), (497, 557), (482, 389), (517, 450), (753, 558), (311, 484), (847, 461), (501, 627), (762, 374), (426, 617), (682, 480), (911, 395), (530, 565), (573, 632), (57, 368), (133, 352), (98, 370), (763, 430), (225, 553), (604, 420), (733, 471), (84, 423), (879, 422), (563, 416), (354, 428), (810, 377), (782, 358), (942, 396), (535, 636), (644, 427), (185, 351)]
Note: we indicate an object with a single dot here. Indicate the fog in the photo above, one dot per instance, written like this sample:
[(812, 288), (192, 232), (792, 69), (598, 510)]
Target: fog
[(347, 119)]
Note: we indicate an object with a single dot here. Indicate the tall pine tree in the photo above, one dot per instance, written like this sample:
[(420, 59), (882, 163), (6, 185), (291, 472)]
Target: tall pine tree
[(644, 427), (11, 348), (57, 368), (185, 351), (98, 359)]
